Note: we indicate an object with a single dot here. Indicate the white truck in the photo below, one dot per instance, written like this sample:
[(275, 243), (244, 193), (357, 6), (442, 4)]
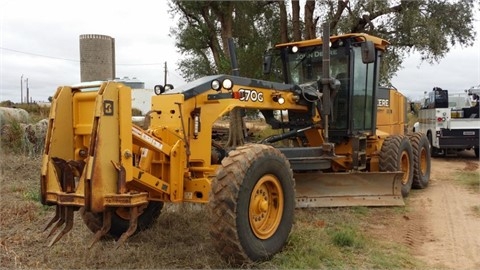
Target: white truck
[(451, 122)]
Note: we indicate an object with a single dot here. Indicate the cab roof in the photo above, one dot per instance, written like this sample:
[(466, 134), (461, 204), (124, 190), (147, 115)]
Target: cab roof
[(378, 42)]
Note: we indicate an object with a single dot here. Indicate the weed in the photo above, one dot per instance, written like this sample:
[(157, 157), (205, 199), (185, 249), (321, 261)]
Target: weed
[(12, 137), (470, 179), (33, 195), (346, 236), (360, 210), (391, 256), (476, 210)]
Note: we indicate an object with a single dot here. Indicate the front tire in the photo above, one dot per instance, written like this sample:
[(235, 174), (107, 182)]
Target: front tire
[(252, 204), (421, 160), (396, 155)]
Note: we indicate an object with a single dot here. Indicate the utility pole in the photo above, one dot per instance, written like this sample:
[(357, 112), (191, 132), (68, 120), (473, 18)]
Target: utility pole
[(28, 94), (21, 89), (165, 76)]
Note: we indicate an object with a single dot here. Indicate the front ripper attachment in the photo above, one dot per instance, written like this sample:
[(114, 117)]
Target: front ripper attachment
[(66, 173)]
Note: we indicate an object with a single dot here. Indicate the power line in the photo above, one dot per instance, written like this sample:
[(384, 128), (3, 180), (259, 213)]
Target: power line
[(72, 60), (40, 55)]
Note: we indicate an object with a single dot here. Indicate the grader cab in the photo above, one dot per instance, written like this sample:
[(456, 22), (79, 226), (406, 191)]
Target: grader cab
[(119, 175)]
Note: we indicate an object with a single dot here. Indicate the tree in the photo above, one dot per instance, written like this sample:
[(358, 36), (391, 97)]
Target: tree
[(202, 35), (429, 27), (205, 26)]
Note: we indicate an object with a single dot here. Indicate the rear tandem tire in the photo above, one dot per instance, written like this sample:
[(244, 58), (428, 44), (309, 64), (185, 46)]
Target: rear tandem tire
[(252, 203), (421, 160), (396, 155), (94, 221)]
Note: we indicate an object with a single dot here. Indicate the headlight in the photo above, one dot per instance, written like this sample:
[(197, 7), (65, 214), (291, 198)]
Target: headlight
[(158, 89), (279, 99), (215, 85), (227, 84), (294, 49)]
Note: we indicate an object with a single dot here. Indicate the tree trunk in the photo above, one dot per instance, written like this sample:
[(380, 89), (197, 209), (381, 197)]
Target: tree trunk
[(213, 43), (226, 21), (283, 22), (297, 34), (310, 24), (225, 16), (236, 127), (336, 17)]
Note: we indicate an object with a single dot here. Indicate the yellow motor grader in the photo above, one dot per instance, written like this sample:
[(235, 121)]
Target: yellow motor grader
[(344, 145)]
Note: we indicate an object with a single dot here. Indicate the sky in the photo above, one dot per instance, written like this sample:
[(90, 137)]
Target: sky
[(39, 41)]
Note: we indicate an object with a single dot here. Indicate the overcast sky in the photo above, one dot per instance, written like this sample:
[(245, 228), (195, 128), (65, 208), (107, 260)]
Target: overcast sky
[(40, 40)]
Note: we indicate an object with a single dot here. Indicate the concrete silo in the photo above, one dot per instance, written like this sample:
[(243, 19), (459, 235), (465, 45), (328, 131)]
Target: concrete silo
[(97, 58)]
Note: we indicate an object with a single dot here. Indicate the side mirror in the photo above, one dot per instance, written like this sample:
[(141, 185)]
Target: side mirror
[(267, 64), (368, 52)]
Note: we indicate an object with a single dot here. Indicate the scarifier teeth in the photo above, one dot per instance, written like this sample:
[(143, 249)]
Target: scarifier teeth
[(61, 210), (107, 222), (131, 228), (64, 214), (54, 219), (68, 225)]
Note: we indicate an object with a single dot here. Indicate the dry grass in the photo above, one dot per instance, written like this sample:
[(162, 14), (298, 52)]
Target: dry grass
[(321, 238)]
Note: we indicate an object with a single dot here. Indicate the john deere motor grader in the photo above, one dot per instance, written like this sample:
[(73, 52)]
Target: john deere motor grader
[(119, 175)]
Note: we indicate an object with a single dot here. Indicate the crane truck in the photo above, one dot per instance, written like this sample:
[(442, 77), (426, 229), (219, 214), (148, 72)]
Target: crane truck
[(451, 122), (119, 175)]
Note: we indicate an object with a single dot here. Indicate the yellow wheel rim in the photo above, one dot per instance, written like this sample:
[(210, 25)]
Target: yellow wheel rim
[(266, 206), (405, 167), (423, 161)]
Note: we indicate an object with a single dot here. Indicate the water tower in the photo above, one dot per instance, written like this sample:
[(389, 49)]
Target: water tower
[(97, 58)]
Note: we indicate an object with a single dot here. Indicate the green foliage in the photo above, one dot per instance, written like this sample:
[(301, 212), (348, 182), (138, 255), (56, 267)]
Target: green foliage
[(12, 137), (429, 27), (7, 103), (35, 111), (347, 236), (360, 210), (32, 194), (202, 39), (476, 210), (331, 239), (136, 112), (470, 179)]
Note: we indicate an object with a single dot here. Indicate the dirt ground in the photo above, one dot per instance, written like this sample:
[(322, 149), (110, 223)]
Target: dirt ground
[(439, 225)]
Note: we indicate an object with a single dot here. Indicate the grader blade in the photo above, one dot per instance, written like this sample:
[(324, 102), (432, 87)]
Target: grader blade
[(348, 189)]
